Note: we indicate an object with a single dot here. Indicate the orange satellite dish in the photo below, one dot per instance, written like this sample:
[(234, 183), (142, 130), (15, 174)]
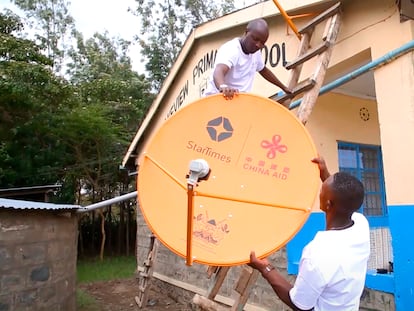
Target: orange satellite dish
[(260, 186)]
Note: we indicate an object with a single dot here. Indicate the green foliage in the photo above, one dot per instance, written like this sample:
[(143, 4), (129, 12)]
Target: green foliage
[(53, 25), (85, 301), (200, 11), (110, 268), (71, 132), (102, 71), (164, 27), (31, 97)]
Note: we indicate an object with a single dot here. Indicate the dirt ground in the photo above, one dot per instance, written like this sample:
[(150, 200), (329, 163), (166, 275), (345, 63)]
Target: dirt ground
[(119, 295)]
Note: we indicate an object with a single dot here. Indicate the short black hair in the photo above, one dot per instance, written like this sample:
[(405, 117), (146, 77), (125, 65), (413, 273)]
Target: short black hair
[(348, 190)]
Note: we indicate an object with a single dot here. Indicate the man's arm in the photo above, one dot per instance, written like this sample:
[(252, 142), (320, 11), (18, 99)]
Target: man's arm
[(219, 80), (323, 169), (219, 74), (279, 284), (270, 76)]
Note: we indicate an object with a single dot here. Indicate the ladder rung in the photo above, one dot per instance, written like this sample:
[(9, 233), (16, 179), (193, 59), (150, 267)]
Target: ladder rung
[(308, 55), (321, 17), (300, 88), (144, 274)]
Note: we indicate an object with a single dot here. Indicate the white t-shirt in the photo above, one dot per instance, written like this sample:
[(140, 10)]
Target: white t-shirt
[(242, 66), (332, 269)]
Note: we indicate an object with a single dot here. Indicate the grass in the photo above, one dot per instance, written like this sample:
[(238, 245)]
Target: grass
[(92, 270), (85, 301), (110, 268)]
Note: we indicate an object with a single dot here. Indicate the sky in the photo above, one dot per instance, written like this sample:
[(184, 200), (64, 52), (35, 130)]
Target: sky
[(112, 15)]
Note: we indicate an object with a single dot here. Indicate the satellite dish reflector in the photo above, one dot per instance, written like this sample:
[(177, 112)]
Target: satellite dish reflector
[(240, 170)]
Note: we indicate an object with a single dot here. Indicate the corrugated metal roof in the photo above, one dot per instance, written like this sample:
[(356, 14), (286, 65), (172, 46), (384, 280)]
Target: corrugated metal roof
[(31, 188), (20, 204)]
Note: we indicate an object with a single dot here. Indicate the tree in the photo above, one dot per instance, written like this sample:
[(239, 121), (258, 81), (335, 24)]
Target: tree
[(108, 88), (74, 131), (30, 98), (102, 72), (164, 27), (54, 27)]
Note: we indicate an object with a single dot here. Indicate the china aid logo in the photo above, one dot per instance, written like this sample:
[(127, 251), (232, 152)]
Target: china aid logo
[(274, 146)]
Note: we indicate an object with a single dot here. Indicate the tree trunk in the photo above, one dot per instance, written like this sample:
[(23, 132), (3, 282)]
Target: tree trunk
[(110, 248), (128, 221), (101, 253), (121, 228)]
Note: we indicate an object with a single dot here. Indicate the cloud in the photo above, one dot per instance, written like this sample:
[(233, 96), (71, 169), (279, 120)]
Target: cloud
[(100, 15), (105, 15)]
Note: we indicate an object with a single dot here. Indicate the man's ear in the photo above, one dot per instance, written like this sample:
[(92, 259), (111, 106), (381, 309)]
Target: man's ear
[(329, 204)]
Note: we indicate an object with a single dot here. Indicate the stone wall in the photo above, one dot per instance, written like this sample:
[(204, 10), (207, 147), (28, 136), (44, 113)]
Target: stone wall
[(38, 251), (262, 297)]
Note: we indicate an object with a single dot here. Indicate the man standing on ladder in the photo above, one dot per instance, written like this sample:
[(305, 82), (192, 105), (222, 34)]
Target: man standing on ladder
[(238, 60)]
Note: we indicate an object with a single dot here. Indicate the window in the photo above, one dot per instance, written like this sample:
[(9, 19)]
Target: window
[(365, 163)]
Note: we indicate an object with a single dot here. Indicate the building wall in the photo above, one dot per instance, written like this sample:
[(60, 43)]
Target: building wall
[(369, 30), (38, 251), (183, 281), (362, 29), (337, 117)]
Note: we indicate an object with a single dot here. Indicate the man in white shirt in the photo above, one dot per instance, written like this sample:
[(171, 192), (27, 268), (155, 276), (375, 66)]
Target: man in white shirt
[(333, 265), (238, 60)]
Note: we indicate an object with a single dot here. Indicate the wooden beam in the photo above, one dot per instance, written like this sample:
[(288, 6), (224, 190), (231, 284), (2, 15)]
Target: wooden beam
[(207, 304), (294, 74), (310, 98), (218, 281), (300, 88), (211, 270), (308, 55), (248, 284), (324, 15)]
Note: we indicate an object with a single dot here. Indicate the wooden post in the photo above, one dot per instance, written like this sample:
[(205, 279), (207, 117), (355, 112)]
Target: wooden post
[(310, 97)]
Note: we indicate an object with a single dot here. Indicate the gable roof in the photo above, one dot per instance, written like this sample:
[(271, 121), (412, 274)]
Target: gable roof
[(240, 17)]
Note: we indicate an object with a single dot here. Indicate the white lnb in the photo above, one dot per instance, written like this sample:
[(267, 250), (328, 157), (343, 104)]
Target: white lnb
[(198, 169)]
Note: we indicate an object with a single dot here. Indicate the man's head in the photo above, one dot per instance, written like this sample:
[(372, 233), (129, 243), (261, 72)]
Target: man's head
[(255, 36), (341, 193)]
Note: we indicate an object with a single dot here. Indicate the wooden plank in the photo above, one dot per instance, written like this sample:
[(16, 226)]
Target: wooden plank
[(207, 304), (244, 277), (218, 281), (308, 55), (211, 270), (242, 299), (321, 17), (328, 28), (310, 98), (300, 88), (146, 275), (294, 74)]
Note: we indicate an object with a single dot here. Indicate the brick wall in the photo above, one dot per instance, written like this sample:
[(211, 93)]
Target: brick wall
[(261, 297), (38, 251)]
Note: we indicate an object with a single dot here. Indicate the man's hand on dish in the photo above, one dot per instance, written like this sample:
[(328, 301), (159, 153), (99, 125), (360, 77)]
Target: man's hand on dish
[(227, 91)]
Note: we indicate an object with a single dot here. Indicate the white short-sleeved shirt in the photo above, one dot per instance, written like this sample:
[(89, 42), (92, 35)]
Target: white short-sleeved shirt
[(243, 67), (332, 269)]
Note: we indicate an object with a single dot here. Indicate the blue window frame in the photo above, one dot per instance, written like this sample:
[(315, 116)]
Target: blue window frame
[(365, 163)]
